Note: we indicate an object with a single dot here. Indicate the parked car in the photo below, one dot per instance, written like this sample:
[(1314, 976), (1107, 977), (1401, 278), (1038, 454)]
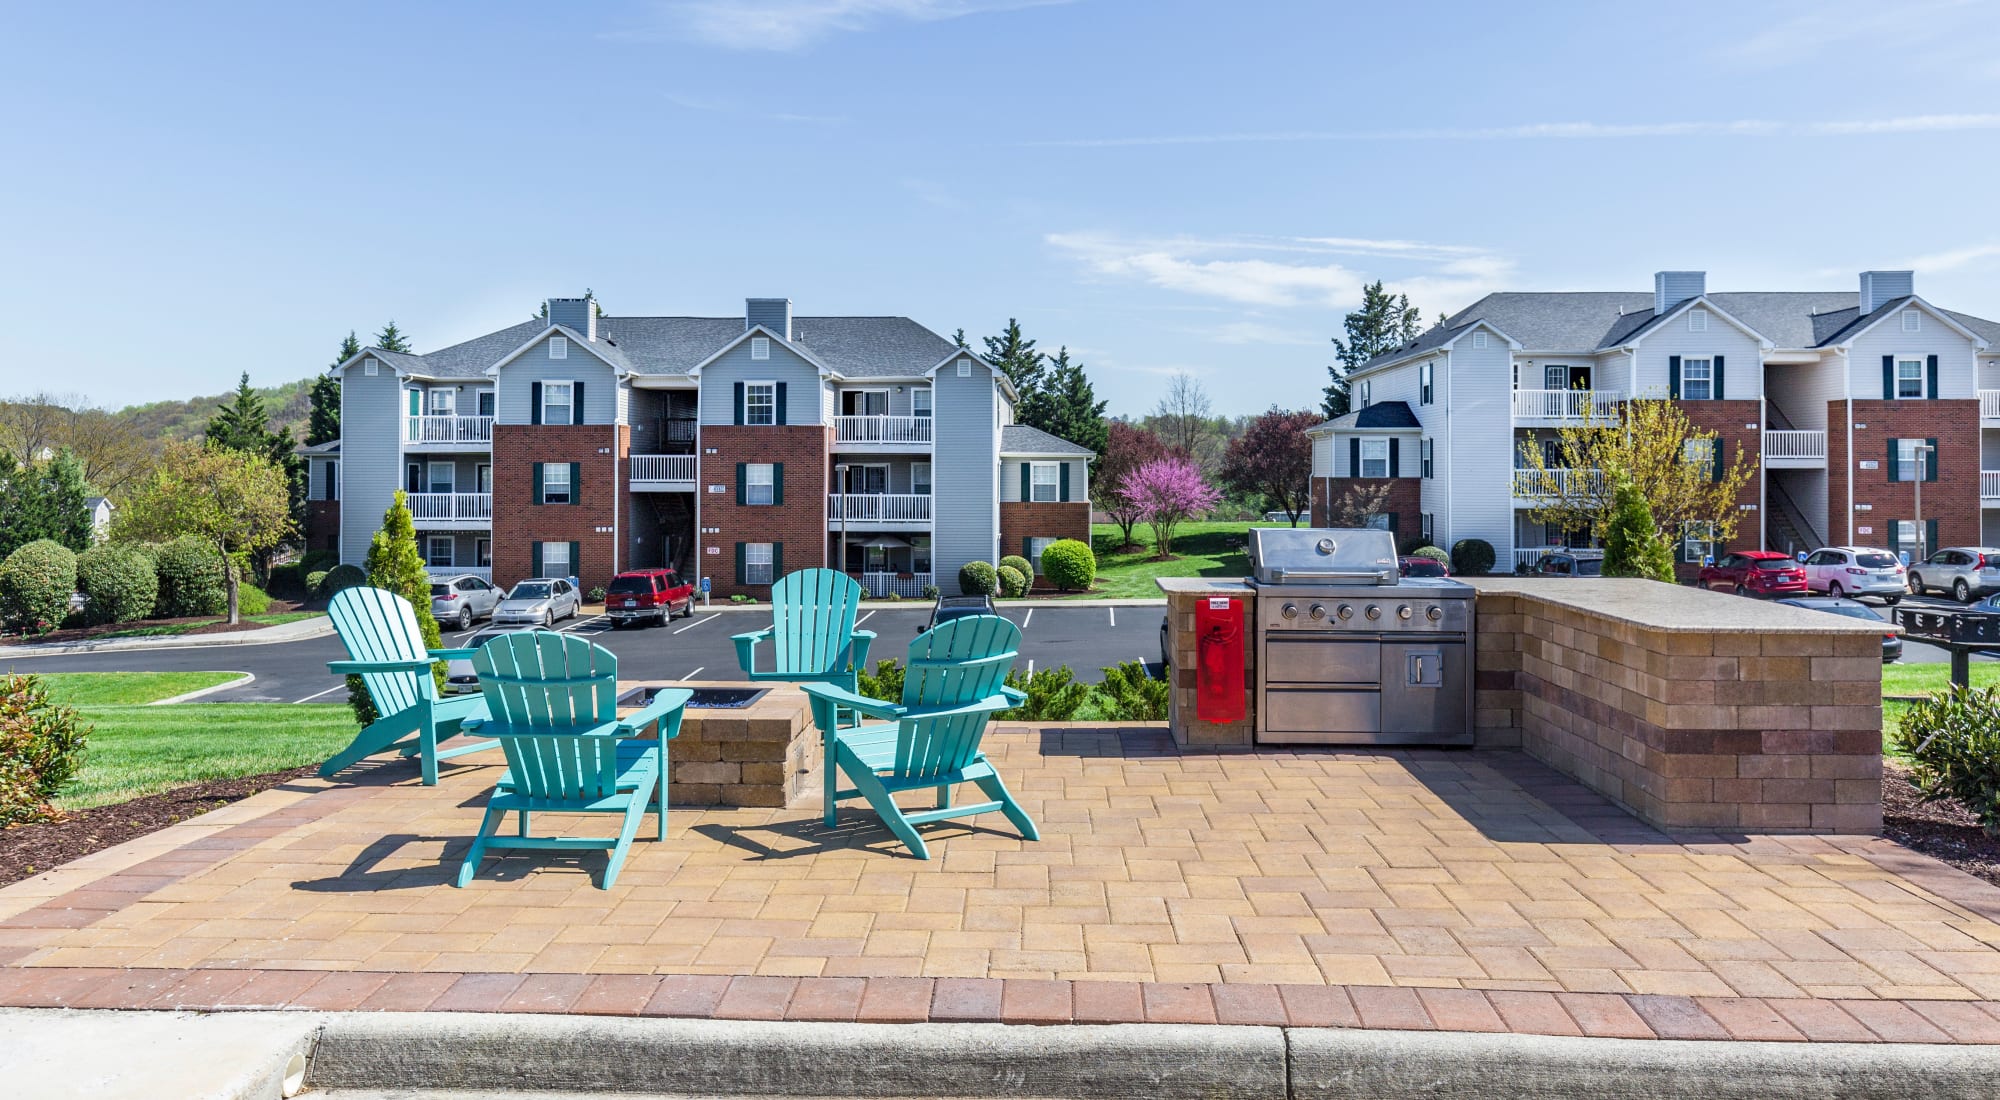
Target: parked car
[(1416, 565), (1856, 571), (459, 678), (1967, 572), (539, 603), (1892, 643), (460, 599), (643, 595), (957, 607), (1571, 563), (1756, 573)]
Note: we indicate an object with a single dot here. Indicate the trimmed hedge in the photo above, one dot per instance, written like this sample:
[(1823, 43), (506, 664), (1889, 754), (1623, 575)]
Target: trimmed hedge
[(1069, 565), (317, 561), (120, 582), (1432, 553), (314, 581), (193, 580), (36, 582), (978, 578), (1021, 565), (1013, 583), (41, 748), (1472, 557), (339, 577)]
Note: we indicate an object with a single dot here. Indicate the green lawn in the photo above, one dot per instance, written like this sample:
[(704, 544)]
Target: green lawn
[(1200, 550), (1923, 679), (160, 630), (96, 689)]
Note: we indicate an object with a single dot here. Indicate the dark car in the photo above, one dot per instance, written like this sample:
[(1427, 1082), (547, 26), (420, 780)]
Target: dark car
[(1756, 573), (640, 595), (1416, 565), (1571, 563), (958, 607), (459, 677), (1892, 643)]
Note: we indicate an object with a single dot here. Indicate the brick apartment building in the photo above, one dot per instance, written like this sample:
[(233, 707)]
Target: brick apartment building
[(733, 448), (1830, 397)]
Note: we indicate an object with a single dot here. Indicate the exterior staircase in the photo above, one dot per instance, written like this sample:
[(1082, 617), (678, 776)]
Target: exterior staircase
[(1785, 527)]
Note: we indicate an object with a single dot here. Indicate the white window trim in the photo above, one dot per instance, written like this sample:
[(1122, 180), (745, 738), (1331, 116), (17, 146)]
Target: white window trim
[(1426, 382), (1913, 464), (442, 401), (1367, 392), (558, 347), (854, 467), (751, 564), (883, 390), (1035, 482), (371, 367), (1479, 340), (1913, 320), (1698, 450), (1368, 445), (568, 490), (482, 477), (760, 348), (1697, 320), (1037, 544), (549, 559), (431, 479), (965, 368), (926, 468), (748, 387), (929, 401), (1923, 366), (1707, 379), (569, 389), (450, 551), (751, 484), (482, 553), (1425, 453)]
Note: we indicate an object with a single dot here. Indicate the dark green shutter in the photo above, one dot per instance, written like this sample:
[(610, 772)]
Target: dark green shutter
[(576, 561), (538, 486), (1393, 524), (575, 486), (1674, 377), (1395, 461), (535, 404), (777, 483), (1028, 549), (1715, 390), (742, 484), (576, 403), (1931, 461), (534, 559), (1888, 378), (1715, 459), (1930, 376), (1027, 482), (1892, 461), (1062, 482), (778, 417), (740, 574), (1930, 536), (739, 420), (1354, 457), (778, 561)]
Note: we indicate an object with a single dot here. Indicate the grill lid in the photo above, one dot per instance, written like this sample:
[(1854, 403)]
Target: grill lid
[(1323, 555)]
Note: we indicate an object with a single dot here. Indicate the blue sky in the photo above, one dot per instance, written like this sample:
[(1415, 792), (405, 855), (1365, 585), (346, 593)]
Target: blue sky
[(195, 190)]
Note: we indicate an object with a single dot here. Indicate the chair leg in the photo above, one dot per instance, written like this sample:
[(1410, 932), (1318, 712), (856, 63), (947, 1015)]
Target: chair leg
[(427, 741), (662, 807), (998, 792), (471, 865), (523, 823), (830, 771), (883, 803), (627, 830), (943, 795)]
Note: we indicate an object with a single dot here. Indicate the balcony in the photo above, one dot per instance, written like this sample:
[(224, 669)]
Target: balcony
[(448, 431), (483, 572), (1533, 485), (452, 511), (1989, 405), (1564, 406), (910, 586), (882, 431), (868, 511), (1529, 555), (1795, 450), (1989, 487), (662, 473)]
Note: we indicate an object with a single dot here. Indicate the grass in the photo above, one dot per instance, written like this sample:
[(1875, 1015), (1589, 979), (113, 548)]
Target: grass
[(96, 689), (161, 630), (1200, 550)]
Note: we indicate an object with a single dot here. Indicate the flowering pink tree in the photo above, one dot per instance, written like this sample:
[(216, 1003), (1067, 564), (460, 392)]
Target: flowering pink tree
[(1166, 491)]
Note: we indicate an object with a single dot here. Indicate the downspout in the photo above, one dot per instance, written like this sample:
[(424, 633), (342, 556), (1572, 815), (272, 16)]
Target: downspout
[(617, 493), (1848, 474)]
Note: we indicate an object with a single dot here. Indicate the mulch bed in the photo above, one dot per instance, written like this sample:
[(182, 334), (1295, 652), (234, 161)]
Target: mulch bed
[(28, 850), (1942, 830), (209, 626)]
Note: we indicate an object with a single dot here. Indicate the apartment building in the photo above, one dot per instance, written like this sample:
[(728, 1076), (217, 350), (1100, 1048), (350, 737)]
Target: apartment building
[(1849, 405), (733, 448)]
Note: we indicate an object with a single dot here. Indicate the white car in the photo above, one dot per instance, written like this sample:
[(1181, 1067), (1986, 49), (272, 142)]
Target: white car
[(1856, 571), (1967, 572), (538, 602), (459, 599)]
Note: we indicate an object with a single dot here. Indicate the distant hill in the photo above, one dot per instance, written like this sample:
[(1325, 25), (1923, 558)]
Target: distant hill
[(288, 405)]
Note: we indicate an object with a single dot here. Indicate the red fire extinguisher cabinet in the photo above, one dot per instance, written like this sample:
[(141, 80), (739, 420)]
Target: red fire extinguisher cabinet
[(1218, 628)]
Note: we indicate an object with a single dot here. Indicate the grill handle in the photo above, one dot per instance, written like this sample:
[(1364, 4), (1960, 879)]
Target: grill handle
[(1282, 575)]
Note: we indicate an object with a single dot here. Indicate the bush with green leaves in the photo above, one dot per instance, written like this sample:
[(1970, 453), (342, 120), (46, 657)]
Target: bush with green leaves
[(978, 578), (192, 579), (252, 600), (339, 577), (1472, 557), (1432, 553), (1013, 582), (315, 581), (1022, 565), (1632, 544), (1953, 742), (1130, 694), (1069, 565), (36, 582), (886, 683), (1053, 695), (931, 592), (318, 560), (41, 748), (396, 565), (120, 582)]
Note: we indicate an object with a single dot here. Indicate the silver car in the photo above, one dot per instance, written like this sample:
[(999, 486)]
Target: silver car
[(1856, 571), (458, 600), (1967, 572), (539, 603)]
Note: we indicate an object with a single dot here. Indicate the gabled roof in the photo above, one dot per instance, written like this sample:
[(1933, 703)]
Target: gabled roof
[(1381, 416), (1887, 309), (760, 330), (602, 350), (1020, 439), (330, 447), (1656, 321)]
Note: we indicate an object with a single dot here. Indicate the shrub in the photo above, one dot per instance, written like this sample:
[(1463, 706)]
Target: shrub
[(41, 748), (1432, 553), (252, 600), (1053, 695), (315, 581), (1129, 694), (1069, 565), (339, 577), (1472, 557), (1953, 742), (1021, 565), (931, 592), (1632, 544), (741, 598), (596, 595), (978, 578), (288, 580), (313, 561), (36, 582), (120, 582), (192, 580), (885, 684), (1013, 582)]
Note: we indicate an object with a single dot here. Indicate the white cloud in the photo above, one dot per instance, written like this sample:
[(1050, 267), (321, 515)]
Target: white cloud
[(1953, 258), (1561, 131), (795, 24), (724, 107), (1851, 26), (1259, 332)]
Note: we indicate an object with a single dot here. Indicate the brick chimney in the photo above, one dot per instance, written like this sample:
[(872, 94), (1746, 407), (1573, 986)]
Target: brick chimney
[(1879, 288), (1671, 288), (773, 313), (576, 314)]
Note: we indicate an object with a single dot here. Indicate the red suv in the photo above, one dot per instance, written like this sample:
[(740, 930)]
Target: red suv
[(643, 594), (1756, 573)]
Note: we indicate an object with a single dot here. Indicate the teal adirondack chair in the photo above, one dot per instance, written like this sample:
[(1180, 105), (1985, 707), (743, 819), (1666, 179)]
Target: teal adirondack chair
[(554, 708), (953, 683), (387, 651), (812, 633)]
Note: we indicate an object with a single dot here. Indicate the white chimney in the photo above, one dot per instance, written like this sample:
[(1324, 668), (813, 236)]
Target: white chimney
[(1671, 288), (1879, 288)]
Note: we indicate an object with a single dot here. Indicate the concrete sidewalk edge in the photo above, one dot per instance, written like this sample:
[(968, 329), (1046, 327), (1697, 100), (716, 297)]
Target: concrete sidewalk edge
[(315, 627), (59, 1054)]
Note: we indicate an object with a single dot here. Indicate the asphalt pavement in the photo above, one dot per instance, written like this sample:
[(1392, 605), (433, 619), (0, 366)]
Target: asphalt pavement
[(1084, 638)]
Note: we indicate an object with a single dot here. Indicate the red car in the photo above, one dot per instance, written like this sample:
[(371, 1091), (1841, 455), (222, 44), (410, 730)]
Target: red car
[(1756, 573), (1417, 565), (643, 594)]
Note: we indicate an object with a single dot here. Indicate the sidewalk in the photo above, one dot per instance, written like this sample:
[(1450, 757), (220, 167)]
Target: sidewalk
[(315, 627)]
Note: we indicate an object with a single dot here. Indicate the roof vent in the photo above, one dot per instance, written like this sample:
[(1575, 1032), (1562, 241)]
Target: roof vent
[(1879, 288), (1671, 288)]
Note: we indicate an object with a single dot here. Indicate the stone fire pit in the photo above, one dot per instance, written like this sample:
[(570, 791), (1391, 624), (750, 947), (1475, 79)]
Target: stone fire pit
[(761, 751)]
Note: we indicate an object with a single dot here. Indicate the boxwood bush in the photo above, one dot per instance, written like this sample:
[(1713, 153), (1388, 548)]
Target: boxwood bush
[(1053, 695), (1021, 565), (192, 580), (1013, 582), (1472, 557), (36, 582), (120, 582), (1953, 742), (337, 578), (1069, 565), (41, 748), (1432, 553), (978, 578)]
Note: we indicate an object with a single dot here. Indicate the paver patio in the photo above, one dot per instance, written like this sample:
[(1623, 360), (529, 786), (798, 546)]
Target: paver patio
[(1454, 890)]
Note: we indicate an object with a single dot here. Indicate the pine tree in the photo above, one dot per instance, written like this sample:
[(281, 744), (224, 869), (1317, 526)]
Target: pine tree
[(1632, 543), (323, 422), (1017, 358), (1384, 323), (395, 564), (242, 424), (1066, 406), (392, 338), (65, 517), (959, 339)]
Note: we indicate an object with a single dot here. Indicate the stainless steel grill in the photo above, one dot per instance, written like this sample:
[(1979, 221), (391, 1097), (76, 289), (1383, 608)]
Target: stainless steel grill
[(1349, 652)]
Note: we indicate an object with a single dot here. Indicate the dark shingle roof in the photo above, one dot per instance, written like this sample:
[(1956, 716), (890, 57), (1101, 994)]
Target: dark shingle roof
[(1382, 414), (1019, 439)]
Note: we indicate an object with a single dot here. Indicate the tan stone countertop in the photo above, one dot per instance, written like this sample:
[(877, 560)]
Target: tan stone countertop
[(1203, 586), (1674, 608)]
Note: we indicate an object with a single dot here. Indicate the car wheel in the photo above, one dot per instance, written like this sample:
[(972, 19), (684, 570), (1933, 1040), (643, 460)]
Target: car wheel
[(1961, 592), (1833, 589), (548, 620), (1891, 601), (1916, 584), (465, 618)]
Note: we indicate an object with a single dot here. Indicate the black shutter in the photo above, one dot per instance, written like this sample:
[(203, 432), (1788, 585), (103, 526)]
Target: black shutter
[(1888, 378), (1027, 482), (777, 561), (1716, 389), (1930, 376), (1062, 482), (740, 573), (1715, 454), (1395, 459), (742, 484), (576, 403), (1354, 457), (1931, 461), (535, 404), (534, 559), (1892, 462), (575, 487), (1674, 377), (1930, 536), (777, 483), (538, 486), (739, 420), (575, 561), (780, 419), (1393, 522)]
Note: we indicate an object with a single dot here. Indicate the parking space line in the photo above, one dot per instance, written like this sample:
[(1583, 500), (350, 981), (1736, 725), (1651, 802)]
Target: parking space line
[(1114, 615), (1028, 618), (1031, 666), (693, 674), (317, 694), (864, 618), (697, 623)]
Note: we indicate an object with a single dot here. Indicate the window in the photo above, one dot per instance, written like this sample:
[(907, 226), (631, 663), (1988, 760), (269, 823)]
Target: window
[(1697, 379), (443, 402), (1376, 521), (864, 403), (1424, 384), (555, 483), (868, 480), (444, 477), (1479, 340), (1427, 526), (1035, 548), (760, 403), (1698, 452), (482, 553), (965, 368), (482, 478), (1909, 377), (486, 402), (759, 478), (920, 402), (1695, 543), (920, 553), (760, 347), (920, 478), (1367, 392), (557, 407), (1424, 456), (330, 483), (1697, 320), (756, 563), (1555, 377), (1374, 458), (437, 550), (1911, 460), (1913, 320), (370, 366), (555, 559), (1043, 484), (558, 347)]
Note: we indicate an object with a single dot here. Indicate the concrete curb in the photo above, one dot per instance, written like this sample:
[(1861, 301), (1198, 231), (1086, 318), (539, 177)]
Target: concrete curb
[(316, 627), (190, 696), (59, 1054), (925, 605)]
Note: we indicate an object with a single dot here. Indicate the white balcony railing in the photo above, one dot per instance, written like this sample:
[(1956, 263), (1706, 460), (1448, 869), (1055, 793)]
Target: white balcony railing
[(882, 429), (1534, 484), (878, 507), (663, 468), (483, 572), (1529, 555), (451, 507), (1989, 404), (448, 429), (1794, 446), (907, 585), (1564, 405), (1989, 484)]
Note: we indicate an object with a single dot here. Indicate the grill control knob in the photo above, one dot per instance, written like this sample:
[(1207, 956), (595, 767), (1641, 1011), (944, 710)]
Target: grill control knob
[(1403, 612), (1374, 613), (1434, 613), (1289, 611), (1345, 613), (1317, 612)]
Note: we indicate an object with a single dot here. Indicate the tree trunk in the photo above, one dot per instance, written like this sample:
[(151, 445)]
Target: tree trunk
[(229, 567)]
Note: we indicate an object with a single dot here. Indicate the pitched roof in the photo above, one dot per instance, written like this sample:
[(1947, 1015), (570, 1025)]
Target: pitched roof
[(1020, 439), (1382, 414)]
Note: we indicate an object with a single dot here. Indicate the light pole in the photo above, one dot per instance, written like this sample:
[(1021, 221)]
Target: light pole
[(1923, 453), (840, 485)]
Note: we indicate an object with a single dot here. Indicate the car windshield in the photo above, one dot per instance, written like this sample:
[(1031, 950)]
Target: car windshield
[(1774, 564), (1874, 560), (1854, 611), (1590, 567), (440, 589), (626, 586), (1424, 568), (531, 590), (485, 636)]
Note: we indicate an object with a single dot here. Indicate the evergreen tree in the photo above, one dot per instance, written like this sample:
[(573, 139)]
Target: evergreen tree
[(959, 339), (44, 501), (1017, 358), (1632, 543), (391, 338), (323, 422), (243, 425), (1384, 323), (394, 563), (1065, 405)]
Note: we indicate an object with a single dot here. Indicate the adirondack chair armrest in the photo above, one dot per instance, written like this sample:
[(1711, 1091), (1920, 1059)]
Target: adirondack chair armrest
[(746, 644), (858, 644), (350, 668), (988, 705), (840, 696), (452, 654), (1015, 695), (663, 704)]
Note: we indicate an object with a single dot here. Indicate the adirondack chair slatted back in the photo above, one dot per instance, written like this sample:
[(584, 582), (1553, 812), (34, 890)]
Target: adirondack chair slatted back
[(959, 663), (378, 625), (544, 681), (812, 616)]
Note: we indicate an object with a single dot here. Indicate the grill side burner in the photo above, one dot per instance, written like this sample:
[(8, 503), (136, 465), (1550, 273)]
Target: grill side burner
[(1350, 653)]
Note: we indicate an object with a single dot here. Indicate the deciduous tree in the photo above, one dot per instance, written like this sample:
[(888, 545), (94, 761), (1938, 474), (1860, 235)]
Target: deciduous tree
[(1273, 459), (1185, 420), (1384, 323), (1127, 447), (235, 501), (1168, 491), (1357, 506)]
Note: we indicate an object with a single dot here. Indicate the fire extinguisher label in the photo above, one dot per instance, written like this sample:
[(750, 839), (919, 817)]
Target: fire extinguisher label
[(1218, 603)]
